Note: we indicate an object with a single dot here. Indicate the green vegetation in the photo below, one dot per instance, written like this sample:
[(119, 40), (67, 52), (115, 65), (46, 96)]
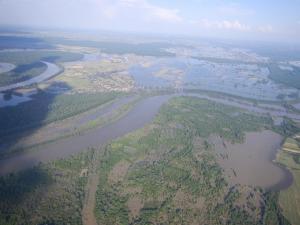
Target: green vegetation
[(289, 199), (287, 128), (47, 194), (47, 108), (28, 63), (273, 213), (287, 77), (291, 145), (167, 172)]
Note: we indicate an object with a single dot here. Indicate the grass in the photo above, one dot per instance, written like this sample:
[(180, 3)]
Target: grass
[(289, 199), (291, 145)]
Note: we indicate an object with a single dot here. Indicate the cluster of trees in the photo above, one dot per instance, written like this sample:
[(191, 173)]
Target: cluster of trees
[(47, 194), (163, 162)]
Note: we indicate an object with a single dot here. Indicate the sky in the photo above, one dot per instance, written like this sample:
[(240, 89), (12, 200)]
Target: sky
[(248, 19)]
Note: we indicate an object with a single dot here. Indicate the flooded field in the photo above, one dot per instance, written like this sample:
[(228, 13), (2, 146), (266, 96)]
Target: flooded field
[(246, 80), (251, 163)]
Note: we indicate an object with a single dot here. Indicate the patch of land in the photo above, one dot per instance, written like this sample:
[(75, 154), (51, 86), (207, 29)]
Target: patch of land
[(88, 216), (103, 73), (289, 199), (291, 144)]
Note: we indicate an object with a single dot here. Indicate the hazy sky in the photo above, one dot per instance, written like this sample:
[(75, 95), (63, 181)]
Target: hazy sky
[(255, 19)]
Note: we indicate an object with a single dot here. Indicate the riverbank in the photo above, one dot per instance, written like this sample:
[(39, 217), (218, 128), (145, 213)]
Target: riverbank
[(6, 67)]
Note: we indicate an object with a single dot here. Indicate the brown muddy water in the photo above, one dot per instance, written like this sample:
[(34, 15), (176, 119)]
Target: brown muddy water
[(251, 162)]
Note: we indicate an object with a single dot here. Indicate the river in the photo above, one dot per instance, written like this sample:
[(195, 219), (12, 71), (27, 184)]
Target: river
[(51, 71)]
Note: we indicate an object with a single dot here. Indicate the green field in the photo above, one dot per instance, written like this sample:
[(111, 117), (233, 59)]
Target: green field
[(289, 199)]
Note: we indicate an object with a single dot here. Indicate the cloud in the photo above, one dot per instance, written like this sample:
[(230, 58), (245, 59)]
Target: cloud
[(224, 24), (234, 25), (86, 13), (235, 9), (152, 12), (265, 29)]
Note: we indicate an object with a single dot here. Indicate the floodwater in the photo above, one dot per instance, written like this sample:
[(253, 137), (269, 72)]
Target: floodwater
[(6, 67), (244, 80), (144, 77), (51, 71), (251, 163)]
